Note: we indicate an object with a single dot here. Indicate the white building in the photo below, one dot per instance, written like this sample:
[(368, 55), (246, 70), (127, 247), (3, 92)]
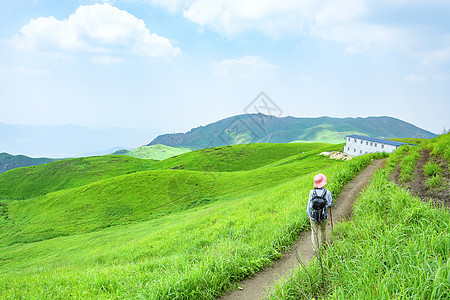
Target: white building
[(359, 144)]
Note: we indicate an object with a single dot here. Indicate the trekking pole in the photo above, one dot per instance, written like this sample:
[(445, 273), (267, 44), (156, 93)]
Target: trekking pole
[(331, 219)]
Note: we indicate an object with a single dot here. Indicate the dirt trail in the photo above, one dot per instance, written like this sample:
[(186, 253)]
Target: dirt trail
[(255, 287)]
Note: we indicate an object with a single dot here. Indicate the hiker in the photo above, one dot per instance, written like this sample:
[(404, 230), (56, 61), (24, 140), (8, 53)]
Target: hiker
[(317, 209)]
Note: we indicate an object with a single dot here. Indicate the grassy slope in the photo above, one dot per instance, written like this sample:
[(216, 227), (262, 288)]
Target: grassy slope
[(189, 254), (35, 181), (395, 246), (329, 133), (157, 152), (441, 146), (39, 180), (239, 157), (141, 196), (414, 141)]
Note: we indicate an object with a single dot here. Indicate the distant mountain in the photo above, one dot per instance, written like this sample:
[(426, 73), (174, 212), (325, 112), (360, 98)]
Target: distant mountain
[(103, 152), (261, 128), (9, 162), (67, 140)]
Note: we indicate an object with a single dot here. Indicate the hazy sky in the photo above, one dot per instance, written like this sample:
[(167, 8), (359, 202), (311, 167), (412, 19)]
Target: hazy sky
[(170, 65)]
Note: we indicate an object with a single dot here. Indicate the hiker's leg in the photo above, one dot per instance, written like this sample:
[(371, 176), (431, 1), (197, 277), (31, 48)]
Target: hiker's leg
[(314, 234), (323, 232)]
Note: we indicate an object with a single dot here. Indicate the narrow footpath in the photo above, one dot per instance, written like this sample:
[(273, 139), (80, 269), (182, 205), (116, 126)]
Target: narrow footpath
[(255, 287)]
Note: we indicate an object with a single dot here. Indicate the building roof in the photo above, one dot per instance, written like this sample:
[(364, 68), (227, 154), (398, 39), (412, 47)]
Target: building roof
[(381, 141)]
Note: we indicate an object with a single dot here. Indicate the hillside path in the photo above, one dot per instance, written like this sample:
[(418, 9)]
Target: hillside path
[(255, 287)]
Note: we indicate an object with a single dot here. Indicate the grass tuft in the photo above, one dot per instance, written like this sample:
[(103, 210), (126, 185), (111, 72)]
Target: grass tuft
[(432, 169), (408, 164)]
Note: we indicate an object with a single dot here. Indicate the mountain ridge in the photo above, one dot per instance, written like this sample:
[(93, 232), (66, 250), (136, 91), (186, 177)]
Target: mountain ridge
[(9, 161), (261, 128)]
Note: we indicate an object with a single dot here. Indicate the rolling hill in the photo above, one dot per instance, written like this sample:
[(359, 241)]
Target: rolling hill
[(156, 152), (87, 194), (260, 128), (155, 233), (39, 180)]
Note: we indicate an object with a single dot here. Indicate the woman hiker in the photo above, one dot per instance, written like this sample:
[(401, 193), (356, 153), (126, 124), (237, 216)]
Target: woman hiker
[(317, 209)]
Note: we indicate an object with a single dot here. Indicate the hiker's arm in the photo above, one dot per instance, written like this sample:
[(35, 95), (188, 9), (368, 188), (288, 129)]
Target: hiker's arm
[(329, 199), (308, 206)]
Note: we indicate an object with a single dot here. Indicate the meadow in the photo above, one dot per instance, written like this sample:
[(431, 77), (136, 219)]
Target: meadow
[(158, 234), (192, 226)]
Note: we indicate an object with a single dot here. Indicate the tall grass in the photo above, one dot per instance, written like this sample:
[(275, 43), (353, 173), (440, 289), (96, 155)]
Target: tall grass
[(408, 164), (194, 254), (441, 146), (395, 246), (431, 169)]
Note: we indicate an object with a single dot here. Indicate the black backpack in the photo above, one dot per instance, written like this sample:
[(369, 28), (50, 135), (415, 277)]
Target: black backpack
[(318, 204)]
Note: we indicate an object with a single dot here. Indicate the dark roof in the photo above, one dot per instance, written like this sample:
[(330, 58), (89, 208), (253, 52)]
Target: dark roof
[(371, 139)]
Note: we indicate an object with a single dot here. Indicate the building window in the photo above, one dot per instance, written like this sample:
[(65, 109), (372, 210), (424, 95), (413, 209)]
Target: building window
[(355, 140), (375, 144), (348, 148), (354, 149), (348, 139), (361, 142), (360, 151), (382, 146), (367, 143), (371, 143)]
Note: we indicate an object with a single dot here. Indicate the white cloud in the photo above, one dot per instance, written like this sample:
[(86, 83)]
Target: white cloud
[(354, 23), (412, 77), (244, 67), (335, 20), (100, 29), (234, 16)]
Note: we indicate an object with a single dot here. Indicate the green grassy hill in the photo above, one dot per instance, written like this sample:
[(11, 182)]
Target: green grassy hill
[(143, 195), (157, 232), (156, 152), (39, 180), (240, 157)]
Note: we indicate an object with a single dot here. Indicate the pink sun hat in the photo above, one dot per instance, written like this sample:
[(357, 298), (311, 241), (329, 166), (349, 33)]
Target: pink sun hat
[(320, 180)]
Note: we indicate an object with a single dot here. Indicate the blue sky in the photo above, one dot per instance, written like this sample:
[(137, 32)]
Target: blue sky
[(172, 65)]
